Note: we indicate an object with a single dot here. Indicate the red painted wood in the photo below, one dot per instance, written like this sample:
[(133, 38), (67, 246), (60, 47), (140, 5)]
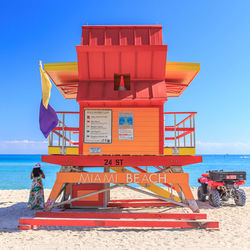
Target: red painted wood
[(88, 203), (116, 223), (121, 35), (191, 216), (92, 91), (161, 130), (81, 124), (141, 204), (168, 113), (145, 62), (67, 112), (122, 103), (26, 227), (66, 128), (137, 200), (171, 128), (127, 160)]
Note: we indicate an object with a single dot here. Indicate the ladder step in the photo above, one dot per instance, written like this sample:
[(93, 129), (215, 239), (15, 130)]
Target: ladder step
[(26, 226), (116, 223), (179, 216), (141, 204)]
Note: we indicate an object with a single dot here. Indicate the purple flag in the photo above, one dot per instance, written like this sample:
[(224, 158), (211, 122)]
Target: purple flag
[(47, 119)]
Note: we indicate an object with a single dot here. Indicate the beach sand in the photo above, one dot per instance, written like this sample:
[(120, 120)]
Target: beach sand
[(234, 230)]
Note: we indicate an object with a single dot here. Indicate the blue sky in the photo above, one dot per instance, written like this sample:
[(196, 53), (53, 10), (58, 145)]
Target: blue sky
[(213, 33)]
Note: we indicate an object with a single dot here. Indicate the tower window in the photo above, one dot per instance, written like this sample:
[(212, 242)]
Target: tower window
[(121, 82)]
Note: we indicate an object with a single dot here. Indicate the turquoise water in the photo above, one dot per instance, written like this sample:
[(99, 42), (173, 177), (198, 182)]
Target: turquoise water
[(15, 169)]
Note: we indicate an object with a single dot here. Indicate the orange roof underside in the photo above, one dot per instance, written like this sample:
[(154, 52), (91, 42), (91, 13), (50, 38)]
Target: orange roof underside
[(178, 76)]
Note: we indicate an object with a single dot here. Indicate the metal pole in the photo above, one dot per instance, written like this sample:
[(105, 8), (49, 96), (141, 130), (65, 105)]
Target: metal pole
[(191, 142), (84, 196), (52, 133), (178, 139), (70, 137), (59, 138), (194, 129), (175, 131), (49, 140), (63, 139), (154, 195), (184, 137)]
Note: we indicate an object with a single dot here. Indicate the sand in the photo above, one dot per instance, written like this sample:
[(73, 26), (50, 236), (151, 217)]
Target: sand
[(234, 230)]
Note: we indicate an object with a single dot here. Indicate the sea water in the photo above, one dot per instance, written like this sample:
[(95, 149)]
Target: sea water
[(15, 170)]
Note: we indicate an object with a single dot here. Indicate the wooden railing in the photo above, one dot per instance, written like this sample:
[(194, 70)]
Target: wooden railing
[(62, 135), (181, 126)]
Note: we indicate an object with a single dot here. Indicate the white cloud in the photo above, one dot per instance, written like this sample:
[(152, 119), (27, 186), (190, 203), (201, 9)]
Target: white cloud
[(24, 141), (41, 147), (23, 147)]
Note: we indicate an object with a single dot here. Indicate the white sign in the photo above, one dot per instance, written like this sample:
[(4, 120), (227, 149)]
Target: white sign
[(126, 125), (98, 126)]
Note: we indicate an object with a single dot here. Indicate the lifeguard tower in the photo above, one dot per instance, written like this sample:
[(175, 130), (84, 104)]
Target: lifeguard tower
[(121, 81)]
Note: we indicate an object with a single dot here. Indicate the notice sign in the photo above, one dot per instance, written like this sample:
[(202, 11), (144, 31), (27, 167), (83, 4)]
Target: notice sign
[(97, 126), (126, 125)]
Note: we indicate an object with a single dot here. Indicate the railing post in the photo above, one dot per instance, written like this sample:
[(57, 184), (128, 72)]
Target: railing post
[(51, 138), (175, 131), (63, 138), (191, 141), (59, 138), (194, 129), (184, 137)]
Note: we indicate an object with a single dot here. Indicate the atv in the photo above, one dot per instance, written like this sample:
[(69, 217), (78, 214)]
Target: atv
[(222, 185)]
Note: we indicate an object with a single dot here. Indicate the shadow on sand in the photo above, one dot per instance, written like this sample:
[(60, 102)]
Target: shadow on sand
[(10, 214)]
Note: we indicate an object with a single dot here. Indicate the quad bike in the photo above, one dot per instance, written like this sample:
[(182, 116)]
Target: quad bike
[(222, 185)]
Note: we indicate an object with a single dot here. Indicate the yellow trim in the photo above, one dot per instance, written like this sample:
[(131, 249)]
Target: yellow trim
[(182, 151), (57, 150), (69, 66), (180, 66), (54, 150), (72, 151), (167, 151), (186, 151), (170, 66), (150, 186)]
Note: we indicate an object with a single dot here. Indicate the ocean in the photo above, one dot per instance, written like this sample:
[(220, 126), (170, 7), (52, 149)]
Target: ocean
[(15, 169)]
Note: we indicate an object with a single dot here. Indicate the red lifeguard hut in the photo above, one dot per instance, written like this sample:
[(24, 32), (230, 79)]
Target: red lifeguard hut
[(121, 81)]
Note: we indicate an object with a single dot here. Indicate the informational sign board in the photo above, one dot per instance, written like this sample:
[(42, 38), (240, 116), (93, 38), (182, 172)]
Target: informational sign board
[(98, 126), (126, 125)]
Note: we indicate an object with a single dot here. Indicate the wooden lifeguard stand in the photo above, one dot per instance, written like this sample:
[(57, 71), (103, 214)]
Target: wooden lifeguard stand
[(121, 81)]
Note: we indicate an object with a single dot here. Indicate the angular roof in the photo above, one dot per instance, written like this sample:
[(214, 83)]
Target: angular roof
[(141, 62), (178, 76), (121, 35)]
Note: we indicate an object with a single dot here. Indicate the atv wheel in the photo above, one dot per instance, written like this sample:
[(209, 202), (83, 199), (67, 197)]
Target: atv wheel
[(240, 197), (214, 198), (224, 197), (200, 194)]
